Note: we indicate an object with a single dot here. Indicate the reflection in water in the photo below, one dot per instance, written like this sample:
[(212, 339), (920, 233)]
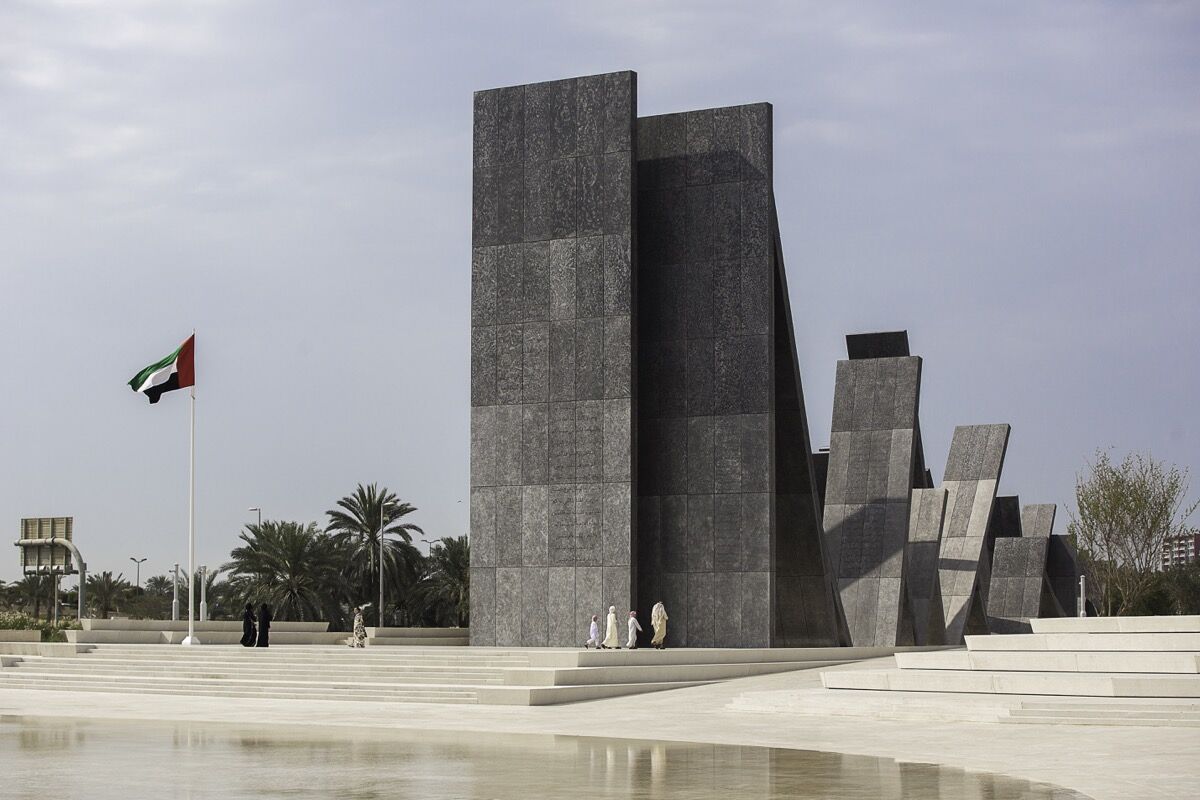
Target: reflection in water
[(94, 759)]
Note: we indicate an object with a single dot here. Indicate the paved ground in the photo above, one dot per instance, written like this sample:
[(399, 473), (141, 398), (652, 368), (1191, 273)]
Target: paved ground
[(1103, 762)]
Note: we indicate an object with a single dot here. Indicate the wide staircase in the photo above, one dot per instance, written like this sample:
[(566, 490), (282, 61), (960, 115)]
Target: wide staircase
[(1108, 670), (439, 674)]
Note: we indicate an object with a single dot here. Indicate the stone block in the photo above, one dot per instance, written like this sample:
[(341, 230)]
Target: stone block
[(563, 630), (561, 521), (483, 526), (678, 527), (507, 439), (617, 275), (562, 360), (535, 355), (510, 368), (483, 286), (618, 440), (617, 367), (589, 358), (483, 366), (534, 443), (483, 605), (535, 533), (589, 276), (617, 522), (727, 605), (701, 609), (700, 455), (561, 443), (589, 524), (483, 446), (508, 606), (535, 622)]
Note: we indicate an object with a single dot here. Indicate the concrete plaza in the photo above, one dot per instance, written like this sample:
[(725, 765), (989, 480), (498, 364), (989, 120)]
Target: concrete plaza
[(1102, 761)]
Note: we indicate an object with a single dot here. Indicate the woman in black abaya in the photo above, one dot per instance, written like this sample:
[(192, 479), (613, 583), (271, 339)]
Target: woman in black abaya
[(264, 625), (249, 633)]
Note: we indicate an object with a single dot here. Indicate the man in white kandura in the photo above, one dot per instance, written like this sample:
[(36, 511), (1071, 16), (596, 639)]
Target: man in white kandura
[(658, 621), (634, 630), (612, 639)]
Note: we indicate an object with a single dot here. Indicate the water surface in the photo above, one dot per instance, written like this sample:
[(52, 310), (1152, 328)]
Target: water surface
[(115, 759)]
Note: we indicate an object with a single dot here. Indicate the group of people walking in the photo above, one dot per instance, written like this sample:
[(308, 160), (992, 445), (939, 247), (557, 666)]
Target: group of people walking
[(612, 636), (256, 632)]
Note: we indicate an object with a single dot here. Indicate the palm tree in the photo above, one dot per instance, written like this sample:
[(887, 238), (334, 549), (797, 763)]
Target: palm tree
[(446, 587), (159, 586), (296, 568), (356, 525), (106, 592), (30, 591)]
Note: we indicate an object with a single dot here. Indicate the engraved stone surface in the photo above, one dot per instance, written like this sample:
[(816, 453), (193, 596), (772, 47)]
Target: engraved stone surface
[(972, 474), (552, 423)]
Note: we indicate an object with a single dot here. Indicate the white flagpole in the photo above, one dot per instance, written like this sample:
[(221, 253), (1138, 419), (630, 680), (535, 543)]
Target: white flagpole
[(191, 637)]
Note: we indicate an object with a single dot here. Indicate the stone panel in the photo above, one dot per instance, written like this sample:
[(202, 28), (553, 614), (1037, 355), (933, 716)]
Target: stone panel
[(921, 565)]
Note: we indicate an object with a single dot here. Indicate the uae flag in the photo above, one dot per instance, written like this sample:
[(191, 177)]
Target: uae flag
[(176, 371)]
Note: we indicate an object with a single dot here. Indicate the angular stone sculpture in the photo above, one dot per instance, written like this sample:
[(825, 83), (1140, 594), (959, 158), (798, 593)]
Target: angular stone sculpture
[(1020, 588), (972, 475), (635, 380), (872, 450), (921, 565)]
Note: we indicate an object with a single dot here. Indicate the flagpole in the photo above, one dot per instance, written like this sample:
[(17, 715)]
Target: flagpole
[(191, 637)]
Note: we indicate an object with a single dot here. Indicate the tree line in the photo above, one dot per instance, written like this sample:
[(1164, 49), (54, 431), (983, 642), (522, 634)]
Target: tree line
[(305, 572)]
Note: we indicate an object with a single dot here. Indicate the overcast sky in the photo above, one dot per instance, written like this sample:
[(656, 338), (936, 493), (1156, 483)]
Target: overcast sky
[(1017, 184)]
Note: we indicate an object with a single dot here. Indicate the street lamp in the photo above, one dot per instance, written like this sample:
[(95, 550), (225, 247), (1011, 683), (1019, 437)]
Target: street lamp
[(175, 598), (203, 593), (137, 583), (259, 510), (382, 508)]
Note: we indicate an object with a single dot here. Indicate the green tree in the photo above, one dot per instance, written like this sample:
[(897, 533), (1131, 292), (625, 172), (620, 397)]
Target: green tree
[(106, 594), (158, 586), (356, 525), (295, 568), (1125, 512), (446, 587), (31, 592)]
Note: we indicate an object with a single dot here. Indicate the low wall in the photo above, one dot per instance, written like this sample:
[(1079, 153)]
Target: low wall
[(20, 636), (181, 625)]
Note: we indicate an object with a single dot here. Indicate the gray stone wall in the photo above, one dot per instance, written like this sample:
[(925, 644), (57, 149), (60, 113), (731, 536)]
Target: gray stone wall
[(972, 475), (552, 375), (708, 391), (867, 492)]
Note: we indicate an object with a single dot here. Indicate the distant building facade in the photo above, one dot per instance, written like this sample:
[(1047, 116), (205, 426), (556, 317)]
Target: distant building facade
[(1180, 550)]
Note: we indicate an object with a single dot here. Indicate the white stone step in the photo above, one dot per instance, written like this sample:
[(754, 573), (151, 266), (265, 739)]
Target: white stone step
[(414, 696), (1026, 683), (203, 680), (1111, 642), (1163, 624), (1053, 661)]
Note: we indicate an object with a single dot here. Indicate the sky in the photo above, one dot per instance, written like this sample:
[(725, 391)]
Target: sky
[(1016, 184)]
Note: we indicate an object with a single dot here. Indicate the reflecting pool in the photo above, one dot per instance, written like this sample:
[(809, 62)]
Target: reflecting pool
[(108, 759)]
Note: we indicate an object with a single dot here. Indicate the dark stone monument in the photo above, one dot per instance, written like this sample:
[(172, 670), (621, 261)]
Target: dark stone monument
[(552, 379), (638, 426)]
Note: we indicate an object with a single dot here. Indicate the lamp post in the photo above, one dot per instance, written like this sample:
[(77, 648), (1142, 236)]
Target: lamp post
[(175, 597), (203, 593), (259, 510), (137, 583), (382, 507)]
